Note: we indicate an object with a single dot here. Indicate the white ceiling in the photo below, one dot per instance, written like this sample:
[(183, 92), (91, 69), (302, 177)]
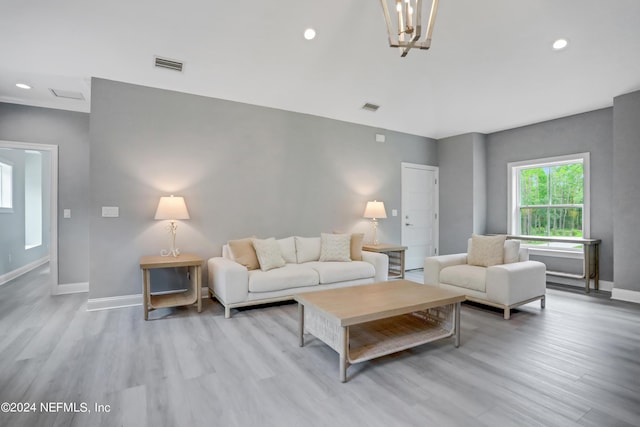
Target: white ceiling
[(490, 67)]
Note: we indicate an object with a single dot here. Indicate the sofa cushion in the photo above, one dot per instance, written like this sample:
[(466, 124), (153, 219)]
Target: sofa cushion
[(307, 249), (335, 247), (287, 277), (288, 249), (269, 254), (486, 251), (331, 272), (511, 251), (243, 253), (356, 246), (465, 276)]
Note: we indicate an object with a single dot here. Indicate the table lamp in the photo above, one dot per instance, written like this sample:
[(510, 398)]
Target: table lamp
[(172, 208), (375, 210)]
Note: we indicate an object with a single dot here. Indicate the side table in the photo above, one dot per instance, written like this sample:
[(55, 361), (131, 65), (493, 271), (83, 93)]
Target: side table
[(395, 254), (190, 296)]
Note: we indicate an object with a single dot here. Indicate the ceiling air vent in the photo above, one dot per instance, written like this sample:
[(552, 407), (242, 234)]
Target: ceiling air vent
[(68, 94), (169, 64), (370, 107)]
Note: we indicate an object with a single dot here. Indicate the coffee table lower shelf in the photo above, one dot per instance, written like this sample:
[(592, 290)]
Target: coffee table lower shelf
[(369, 340), (386, 336)]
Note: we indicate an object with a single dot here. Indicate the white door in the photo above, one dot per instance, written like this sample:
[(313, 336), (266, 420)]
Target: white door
[(419, 213)]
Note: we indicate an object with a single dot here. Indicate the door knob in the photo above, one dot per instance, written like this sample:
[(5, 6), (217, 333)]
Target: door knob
[(407, 224)]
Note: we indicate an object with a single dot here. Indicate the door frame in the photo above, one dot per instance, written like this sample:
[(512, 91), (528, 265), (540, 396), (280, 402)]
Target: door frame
[(436, 231), (53, 206)]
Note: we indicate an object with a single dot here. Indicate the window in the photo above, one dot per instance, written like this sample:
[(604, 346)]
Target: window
[(6, 187), (550, 197), (32, 199)]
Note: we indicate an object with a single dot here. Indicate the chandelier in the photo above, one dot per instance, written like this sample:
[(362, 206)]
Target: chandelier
[(409, 24)]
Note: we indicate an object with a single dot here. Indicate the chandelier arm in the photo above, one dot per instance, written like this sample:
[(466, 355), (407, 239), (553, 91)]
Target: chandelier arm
[(432, 19), (387, 18)]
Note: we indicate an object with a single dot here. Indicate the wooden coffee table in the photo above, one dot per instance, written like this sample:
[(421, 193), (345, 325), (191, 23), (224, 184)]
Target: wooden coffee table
[(369, 321)]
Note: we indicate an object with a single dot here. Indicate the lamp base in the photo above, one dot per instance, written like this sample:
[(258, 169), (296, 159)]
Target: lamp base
[(174, 252), (374, 224)]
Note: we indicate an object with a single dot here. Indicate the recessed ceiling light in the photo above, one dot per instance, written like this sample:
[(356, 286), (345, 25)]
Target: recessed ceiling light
[(309, 34), (23, 86), (560, 44)]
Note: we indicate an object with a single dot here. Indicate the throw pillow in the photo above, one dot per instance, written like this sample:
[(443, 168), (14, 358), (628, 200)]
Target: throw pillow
[(335, 247), (243, 253), (511, 251), (357, 239), (356, 246), (269, 254), (288, 249), (307, 249), (486, 250)]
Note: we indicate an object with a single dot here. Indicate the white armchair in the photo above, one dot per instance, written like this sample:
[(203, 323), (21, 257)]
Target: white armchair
[(504, 285)]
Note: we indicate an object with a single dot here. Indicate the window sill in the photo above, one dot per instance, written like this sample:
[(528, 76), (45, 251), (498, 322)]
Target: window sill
[(27, 247)]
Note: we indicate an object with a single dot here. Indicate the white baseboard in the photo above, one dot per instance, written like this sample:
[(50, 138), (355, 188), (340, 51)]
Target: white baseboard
[(604, 285), (72, 288), (625, 295), (107, 303), (23, 270), (95, 304)]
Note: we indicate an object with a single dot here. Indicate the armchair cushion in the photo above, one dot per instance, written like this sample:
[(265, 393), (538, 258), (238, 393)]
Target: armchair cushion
[(465, 276), (511, 251)]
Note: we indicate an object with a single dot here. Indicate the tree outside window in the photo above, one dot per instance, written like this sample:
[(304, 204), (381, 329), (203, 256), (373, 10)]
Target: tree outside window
[(552, 200)]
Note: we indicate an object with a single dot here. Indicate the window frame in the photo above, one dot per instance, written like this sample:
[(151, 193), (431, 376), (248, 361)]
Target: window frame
[(6, 168), (513, 217)]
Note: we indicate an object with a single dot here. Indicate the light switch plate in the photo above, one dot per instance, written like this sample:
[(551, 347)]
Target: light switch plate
[(394, 212), (110, 212), (67, 213), (380, 137)]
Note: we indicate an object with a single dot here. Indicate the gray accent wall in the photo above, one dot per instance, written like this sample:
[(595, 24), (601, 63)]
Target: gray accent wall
[(70, 132), (626, 190), (463, 190), (244, 170), (589, 132)]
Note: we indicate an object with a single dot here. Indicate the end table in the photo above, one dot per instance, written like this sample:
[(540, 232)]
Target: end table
[(190, 296), (395, 254)]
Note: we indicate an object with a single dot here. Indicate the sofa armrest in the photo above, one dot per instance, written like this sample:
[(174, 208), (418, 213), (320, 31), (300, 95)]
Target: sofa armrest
[(380, 262), (512, 283), (434, 264), (228, 279)]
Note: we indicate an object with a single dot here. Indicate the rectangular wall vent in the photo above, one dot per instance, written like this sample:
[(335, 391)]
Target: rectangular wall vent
[(169, 64), (370, 107)]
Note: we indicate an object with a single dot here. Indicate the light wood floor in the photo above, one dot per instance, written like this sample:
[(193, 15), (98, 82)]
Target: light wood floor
[(576, 363)]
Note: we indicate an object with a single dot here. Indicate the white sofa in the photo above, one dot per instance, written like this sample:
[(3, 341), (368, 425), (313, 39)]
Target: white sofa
[(233, 285), (504, 285)]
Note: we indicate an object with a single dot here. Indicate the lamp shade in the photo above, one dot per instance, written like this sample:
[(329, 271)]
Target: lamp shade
[(374, 210), (171, 207)]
